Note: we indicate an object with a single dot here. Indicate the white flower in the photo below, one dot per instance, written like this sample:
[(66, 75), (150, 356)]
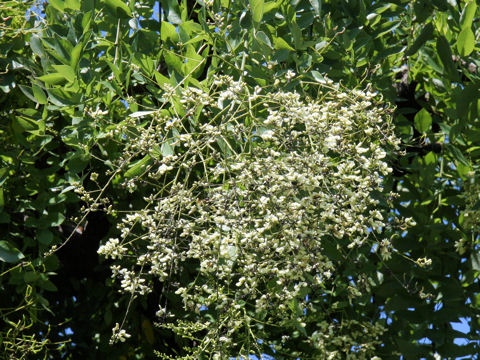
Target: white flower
[(252, 212), (289, 75), (118, 334), (112, 249), (268, 135)]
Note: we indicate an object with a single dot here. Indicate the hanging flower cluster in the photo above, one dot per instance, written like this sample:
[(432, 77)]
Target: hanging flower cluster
[(251, 187), (469, 219)]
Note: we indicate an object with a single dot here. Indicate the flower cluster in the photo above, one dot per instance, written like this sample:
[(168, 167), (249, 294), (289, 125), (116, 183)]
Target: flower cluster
[(118, 334), (469, 218), (472, 197), (253, 188)]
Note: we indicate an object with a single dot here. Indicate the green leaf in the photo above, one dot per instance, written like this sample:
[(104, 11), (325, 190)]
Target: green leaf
[(386, 27), (464, 171), (60, 97), (28, 91), (318, 77), (66, 71), (44, 283), (317, 6), (430, 159), (425, 35), (475, 259), (295, 31), (9, 253), (36, 45), (87, 21), (59, 48), (168, 33), (52, 219), (173, 61), (263, 38), (423, 9), (72, 4), (373, 19), (138, 167), (269, 6), (465, 42), (468, 14), (31, 276), (295, 307), (192, 61), (25, 124), (423, 121), (119, 8), (115, 70), (331, 250), (161, 80), (75, 55), (445, 54), (4, 217), (58, 4), (47, 284), (4, 175), (78, 162), (171, 8), (45, 237), (256, 7), (167, 149), (7, 82), (146, 63), (466, 99), (457, 154), (39, 94), (280, 44), (52, 79)]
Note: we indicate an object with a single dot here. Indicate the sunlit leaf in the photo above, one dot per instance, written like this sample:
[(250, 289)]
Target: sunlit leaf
[(39, 94), (58, 4), (465, 42), (138, 167), (26, 124), (141, 114), (468, 14), (72, 4), (66, 71), (118, 7), (280, 44), (53, 78), (423, 121), (75, 56), (256, 7), (168, 32)]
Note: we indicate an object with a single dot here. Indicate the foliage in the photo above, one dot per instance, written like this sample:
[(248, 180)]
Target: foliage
[(96, 95)]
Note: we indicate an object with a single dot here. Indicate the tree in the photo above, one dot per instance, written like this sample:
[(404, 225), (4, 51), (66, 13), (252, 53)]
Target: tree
[(187, 142)]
